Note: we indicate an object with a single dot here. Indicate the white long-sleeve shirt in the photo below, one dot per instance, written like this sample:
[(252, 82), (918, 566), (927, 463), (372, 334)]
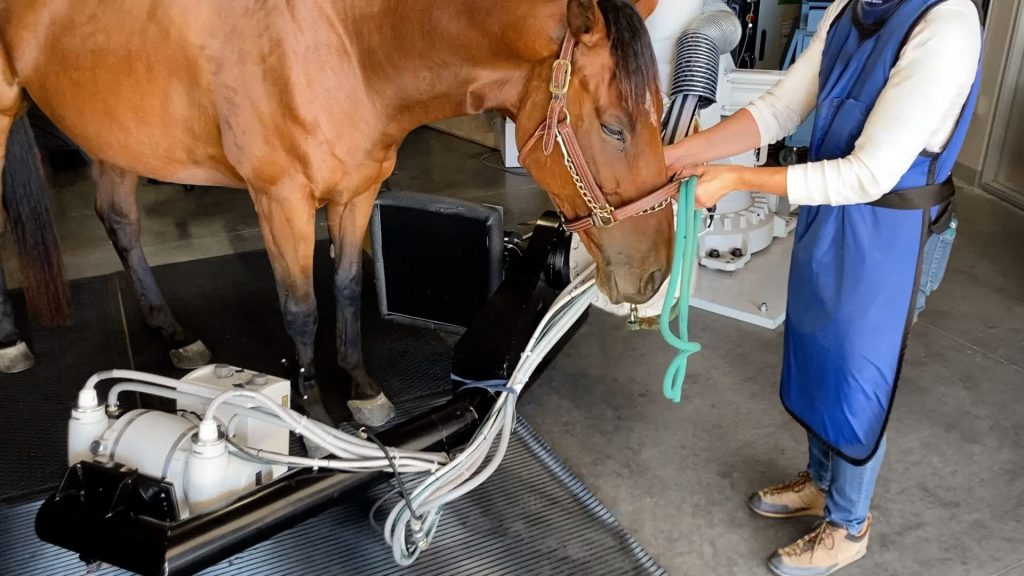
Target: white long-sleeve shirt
[(917, 110)]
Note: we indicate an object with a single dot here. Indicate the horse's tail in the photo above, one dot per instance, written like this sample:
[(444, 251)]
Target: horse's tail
[(26, 199)]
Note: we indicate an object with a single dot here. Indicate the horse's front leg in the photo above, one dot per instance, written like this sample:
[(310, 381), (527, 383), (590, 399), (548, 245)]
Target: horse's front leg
[(347, 223), (117, 208), (287, 215)]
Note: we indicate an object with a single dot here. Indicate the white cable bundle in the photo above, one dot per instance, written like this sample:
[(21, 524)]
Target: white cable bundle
[(464, 472), (352, 454)]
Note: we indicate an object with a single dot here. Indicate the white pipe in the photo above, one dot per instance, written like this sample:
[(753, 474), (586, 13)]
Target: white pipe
[(163, 392), (369, 459), (317, 432), (87, 395), (404, 466)]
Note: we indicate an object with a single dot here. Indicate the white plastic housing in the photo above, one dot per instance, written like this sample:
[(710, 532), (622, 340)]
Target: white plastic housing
[(251, 433)]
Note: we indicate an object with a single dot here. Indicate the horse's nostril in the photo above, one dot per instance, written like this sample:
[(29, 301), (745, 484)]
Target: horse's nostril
[(610, 286), (653, 282)]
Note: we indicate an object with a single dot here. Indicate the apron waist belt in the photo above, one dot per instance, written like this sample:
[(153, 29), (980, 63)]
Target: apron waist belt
[(923, 198)]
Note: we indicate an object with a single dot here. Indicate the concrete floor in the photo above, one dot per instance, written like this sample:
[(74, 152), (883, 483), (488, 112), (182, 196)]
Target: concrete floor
[(950, 498)]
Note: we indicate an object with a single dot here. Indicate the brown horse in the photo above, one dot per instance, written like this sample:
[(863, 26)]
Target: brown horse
[(305, 104)]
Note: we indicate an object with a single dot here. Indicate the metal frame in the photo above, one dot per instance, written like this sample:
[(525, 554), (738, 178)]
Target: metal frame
[(1000, 122)]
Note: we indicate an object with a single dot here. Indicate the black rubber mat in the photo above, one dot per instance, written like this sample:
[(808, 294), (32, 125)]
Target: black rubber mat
[(532, 517), (35, 404), (231, 304)]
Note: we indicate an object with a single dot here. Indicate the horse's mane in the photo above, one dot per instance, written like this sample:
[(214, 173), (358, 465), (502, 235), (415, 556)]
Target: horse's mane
[(635, 64)]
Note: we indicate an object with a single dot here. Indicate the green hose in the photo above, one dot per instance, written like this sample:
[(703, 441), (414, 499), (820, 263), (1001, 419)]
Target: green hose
[(683, 255)]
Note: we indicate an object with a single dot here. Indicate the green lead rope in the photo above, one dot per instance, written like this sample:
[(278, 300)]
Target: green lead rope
[(683, 255)]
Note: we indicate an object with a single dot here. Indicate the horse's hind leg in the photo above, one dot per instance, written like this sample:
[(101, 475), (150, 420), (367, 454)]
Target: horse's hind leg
[(14, 354), (347, 224), (117, 209)]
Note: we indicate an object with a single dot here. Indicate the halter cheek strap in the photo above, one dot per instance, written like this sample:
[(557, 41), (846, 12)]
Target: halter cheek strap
[(557, 127)]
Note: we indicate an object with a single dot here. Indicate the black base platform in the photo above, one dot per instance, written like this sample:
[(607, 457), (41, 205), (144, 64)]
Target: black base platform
[(532, 517)]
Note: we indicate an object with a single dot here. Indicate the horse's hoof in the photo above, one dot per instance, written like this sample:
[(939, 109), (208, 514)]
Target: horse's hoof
[(192, 356), (16, 358), (375, 411)]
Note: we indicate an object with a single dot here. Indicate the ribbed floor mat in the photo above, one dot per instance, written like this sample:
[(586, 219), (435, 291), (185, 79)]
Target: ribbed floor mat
[(532, 517)]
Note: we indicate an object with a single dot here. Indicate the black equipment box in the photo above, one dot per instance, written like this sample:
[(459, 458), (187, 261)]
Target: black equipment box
[(436, 260)]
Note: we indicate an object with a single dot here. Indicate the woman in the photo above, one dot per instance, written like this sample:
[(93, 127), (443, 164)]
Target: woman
[(893, 84)]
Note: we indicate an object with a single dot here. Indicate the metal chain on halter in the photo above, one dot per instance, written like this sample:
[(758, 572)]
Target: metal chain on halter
[(602, 214), (663, 204)]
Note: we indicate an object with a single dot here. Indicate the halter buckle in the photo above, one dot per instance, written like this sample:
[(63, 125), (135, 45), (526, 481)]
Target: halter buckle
[(561, 72)]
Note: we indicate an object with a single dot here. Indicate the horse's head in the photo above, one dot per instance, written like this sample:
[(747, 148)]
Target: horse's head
[(613, 106)]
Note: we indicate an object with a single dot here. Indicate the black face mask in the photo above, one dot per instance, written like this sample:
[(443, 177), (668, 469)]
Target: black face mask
[(876, 12)]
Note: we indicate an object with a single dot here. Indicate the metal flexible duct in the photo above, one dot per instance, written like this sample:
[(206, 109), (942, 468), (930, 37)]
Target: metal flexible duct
[(699, 49), (695, 75)]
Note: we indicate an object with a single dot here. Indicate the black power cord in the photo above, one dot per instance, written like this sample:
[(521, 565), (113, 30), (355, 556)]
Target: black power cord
[(394, 467)]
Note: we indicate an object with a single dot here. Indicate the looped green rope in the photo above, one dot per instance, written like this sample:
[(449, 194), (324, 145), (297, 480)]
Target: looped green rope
[(683, 255)]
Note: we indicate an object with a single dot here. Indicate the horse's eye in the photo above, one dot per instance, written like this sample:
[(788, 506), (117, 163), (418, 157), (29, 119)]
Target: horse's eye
[(613, 132)]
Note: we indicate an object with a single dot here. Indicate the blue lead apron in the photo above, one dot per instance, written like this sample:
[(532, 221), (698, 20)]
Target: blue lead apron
[(855, 269)]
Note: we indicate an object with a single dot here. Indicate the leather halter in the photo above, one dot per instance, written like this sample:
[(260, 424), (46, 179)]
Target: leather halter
[(557, 127)]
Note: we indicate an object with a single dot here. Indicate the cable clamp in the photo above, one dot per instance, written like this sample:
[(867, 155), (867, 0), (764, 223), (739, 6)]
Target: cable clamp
[(301, 426)]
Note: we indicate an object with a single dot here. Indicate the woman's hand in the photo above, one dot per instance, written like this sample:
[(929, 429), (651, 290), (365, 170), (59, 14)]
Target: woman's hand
[(713, 182), (675, 157)]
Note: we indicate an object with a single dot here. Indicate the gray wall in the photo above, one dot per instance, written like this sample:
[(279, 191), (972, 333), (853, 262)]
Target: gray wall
[(1000, 25)]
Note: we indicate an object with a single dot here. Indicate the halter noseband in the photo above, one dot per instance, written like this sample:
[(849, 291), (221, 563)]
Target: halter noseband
[(558, 128)]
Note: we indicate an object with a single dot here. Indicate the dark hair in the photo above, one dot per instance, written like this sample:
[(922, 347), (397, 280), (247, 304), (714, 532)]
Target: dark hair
[(635, 64)]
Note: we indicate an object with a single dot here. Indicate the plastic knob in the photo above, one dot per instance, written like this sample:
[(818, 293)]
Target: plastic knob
[(223, 371), (259, 379)]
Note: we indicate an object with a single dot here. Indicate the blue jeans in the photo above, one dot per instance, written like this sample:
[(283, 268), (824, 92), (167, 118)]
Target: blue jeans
[(849, 488), (933, 266)]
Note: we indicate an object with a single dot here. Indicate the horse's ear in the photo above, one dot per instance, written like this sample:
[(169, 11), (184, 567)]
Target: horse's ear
[(645, 7), (585, 21)]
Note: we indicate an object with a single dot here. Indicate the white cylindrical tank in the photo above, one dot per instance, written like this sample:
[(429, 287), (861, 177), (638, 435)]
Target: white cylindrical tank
[(160, 445), (146, 440), (154, 443)]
